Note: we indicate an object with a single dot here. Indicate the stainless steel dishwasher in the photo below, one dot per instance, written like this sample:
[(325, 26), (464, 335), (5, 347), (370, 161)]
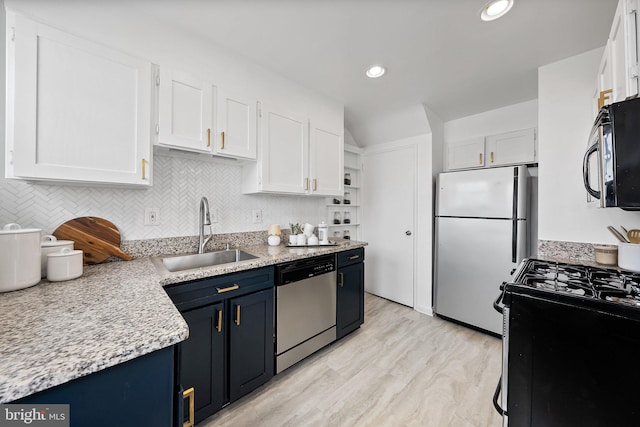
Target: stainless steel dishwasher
[(305, 308)]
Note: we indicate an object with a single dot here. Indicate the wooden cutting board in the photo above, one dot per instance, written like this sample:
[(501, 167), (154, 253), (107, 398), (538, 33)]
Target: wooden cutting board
[(96, 237)]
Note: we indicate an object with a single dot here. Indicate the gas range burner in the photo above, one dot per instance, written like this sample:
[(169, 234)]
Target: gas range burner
[(620, 287)]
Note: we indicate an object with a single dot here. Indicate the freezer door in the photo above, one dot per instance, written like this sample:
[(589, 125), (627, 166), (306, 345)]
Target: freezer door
[(473, 257), (483, 193)]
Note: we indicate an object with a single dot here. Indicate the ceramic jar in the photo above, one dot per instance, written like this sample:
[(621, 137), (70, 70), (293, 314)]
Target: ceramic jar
[(50, 244), (65, 264), (19, 257)]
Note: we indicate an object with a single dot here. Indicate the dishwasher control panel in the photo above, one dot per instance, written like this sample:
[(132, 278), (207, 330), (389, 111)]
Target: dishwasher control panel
[(303, 269)]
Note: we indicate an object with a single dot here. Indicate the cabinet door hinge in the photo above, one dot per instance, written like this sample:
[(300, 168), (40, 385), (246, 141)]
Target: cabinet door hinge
[(11, 157), (13, 34), (158, 78), (157, 128)]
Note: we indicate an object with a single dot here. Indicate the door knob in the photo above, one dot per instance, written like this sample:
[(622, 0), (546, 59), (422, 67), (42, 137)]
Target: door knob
[(408, 232)]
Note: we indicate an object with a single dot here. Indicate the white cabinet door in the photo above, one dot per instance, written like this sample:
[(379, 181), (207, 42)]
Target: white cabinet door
[(326, 158), (623, 52), (76, 111), (185, 111), (604, 94), (511, 148), (284, 149), (236, 136), (465, 154)]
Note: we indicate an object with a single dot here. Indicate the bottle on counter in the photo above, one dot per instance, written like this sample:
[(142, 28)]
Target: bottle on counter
[(323, 233)]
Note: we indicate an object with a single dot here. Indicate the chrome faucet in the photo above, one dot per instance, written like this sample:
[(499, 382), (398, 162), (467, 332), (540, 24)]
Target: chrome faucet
[(205, 219)]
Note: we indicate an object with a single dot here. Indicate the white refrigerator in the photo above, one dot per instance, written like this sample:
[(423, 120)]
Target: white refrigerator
[(482, 233)]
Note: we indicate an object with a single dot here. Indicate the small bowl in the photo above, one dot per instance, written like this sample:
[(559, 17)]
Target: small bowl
[(606, 254)]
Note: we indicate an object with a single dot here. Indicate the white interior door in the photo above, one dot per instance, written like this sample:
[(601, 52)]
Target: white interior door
[(388, 221)]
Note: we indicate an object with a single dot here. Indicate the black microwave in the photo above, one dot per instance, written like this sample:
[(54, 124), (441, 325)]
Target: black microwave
[(615, 138)]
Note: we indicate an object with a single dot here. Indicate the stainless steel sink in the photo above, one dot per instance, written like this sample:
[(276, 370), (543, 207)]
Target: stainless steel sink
[(189, 262)]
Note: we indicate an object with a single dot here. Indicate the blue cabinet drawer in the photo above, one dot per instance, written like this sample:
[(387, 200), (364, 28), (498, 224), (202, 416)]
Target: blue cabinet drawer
[(201, 292), (349, 257)]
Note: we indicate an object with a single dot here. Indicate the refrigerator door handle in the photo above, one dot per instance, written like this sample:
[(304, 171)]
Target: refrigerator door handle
[(514, 242), (514, 231)]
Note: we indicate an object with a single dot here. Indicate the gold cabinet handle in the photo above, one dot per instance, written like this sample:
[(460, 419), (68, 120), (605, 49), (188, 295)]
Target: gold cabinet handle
[(230, 288), (209, 137), (604, 97), (491, 157), (480, 161), (219, 325), (354, 257), (237, 315), (222, 146), (144, 176), (341, 283), (306, 183), (315, 184), (190, 394)]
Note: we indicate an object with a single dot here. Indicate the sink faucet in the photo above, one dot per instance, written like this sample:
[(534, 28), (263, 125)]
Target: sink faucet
[(205, 219)]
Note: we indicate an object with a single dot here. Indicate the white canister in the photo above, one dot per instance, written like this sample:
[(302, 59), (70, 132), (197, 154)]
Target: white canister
[(629, 256), (301, 240), (49, 245), (19, 257), (65, 264)]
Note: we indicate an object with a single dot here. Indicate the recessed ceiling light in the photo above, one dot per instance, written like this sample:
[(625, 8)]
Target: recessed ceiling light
[(495, 9), (375, 71)]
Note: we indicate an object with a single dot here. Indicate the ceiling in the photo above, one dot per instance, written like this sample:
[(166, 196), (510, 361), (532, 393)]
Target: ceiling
[(438, 52)]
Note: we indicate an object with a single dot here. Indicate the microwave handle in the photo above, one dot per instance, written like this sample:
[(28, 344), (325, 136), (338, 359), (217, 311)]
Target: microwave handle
[(585, 171)]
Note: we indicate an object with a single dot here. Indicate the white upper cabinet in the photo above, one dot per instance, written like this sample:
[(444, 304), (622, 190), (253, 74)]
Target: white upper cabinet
[(282, 165), (518, 147), (604, 94), (326, 161), (465, 154), (236, 135), (618, 73), (196, 115), (511, 148), (185, 111), (76, 110), (294, 157)]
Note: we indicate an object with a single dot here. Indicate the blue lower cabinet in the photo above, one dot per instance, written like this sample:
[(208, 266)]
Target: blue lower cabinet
[(251, 350), (202, 360), (230, 349), (139, 392), (350, 295)]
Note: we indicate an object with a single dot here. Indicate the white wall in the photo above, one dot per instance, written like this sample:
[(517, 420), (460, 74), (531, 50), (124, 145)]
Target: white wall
[(404, 123), (519, 116), (566, 113), (178, 182)]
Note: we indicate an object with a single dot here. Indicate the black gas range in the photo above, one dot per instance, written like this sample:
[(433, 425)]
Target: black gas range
[(571, 346)]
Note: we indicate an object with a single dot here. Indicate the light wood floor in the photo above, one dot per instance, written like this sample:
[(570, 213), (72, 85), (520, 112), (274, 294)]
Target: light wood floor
[(401, 368)]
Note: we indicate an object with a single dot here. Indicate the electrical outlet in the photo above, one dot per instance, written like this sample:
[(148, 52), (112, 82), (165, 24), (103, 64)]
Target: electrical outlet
[(257, 216), (151, 216)]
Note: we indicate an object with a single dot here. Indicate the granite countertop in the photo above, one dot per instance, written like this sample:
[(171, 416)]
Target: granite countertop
[(54, 332)]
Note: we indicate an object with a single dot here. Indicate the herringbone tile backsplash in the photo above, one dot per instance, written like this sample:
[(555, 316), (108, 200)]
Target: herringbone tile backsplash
[(178, 185)]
